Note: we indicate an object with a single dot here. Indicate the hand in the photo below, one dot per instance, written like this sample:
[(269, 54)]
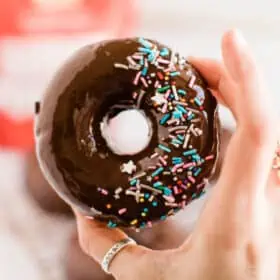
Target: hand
[(235, 236)]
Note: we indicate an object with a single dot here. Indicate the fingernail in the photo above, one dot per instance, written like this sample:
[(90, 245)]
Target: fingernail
[(239, 38)]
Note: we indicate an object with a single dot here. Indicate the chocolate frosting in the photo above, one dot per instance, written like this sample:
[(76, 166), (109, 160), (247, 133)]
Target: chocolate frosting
[(96, 84)]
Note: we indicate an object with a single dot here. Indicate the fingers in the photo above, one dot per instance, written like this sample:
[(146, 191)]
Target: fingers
[(96, 239)]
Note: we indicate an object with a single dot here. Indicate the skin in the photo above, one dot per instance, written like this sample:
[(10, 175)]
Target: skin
[(235, 237)]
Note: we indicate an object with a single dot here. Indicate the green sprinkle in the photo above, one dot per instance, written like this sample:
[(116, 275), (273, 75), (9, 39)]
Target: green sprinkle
[(157, 172), (163, 89), (145, 43), (181, 137), (190, 152), (164, 148), (197, 172), (111, 224), (133, 182)]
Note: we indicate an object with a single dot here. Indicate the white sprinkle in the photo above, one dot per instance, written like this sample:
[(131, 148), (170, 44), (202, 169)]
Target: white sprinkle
[(174, 90), (119, 65), (154, 155), (143, 80), (151, 189), (192, 80), (170, 199), (138, 175), (130, 60), (171, 204)]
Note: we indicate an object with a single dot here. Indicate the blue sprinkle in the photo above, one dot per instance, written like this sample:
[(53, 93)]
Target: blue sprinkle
[(154, 203), (197, 101), (146, 195), (133, 182), (111, 224), (146, 210), (144, 71), (181, 137), (164, 52), (142, 61), (173, 74), (167, 191), (163, 217), (181, 91), (164, 119), (197, 172), (190, 152), (194, 195), (177, 114), (143, 225), (182, 109), (157, 172), (176, 141), (164, 148), (144, 50), (177, 159), (151, 57), (145, 43), (157, 184)]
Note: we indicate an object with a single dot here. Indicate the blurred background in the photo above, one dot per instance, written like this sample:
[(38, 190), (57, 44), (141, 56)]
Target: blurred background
[(37, 231)]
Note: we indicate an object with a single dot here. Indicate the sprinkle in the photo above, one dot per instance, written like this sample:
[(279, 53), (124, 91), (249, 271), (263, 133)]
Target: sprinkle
[(145, 43), (167, 191), (160, 75), (138, 175), (164, 52), (133, 182), (122, 211), (149, 224), (157, 172), (163, 61), (151, 198), (175, 159), (156, 84), (174, 90), (187, 165), (150, 189), (157, 184), (163, 217), (122, 66), (192, 80), (190, 152), (171, 204), (140, 97), (181, 92), (191, 179), (134, 222), (164, 119), (169, 198), (196, 173), (177, 114), (197, 101), (163, 89), (136, 80), (182, 109), (170, 122), (209, 157), (108, 206), (176, 142), (154, 155), (111, 224), (146, 210), (144, 82), (177, 128), (175, 167), (155, 204), (143, 214), (144, 71), (103, 191), (131, 61), (118, 190), (173, 74), (161, 159), (181, 137), (164, 148), (144, 50)]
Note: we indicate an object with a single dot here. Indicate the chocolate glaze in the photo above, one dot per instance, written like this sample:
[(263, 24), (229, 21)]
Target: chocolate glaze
[(100, 81)]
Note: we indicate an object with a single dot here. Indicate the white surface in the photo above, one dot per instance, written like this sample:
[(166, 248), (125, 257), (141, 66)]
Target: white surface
[(31, 243)]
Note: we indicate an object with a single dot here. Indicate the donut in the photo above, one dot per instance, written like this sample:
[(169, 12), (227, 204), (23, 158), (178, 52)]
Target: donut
[(165, 140)]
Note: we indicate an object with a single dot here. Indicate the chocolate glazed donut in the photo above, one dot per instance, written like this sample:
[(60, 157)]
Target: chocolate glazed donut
[(98, 84)]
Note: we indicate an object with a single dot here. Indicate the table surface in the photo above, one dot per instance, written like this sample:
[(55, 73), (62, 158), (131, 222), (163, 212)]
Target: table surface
[(32, 243)]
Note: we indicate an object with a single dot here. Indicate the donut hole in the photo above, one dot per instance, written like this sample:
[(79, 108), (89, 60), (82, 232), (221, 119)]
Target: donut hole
[(128, 132)]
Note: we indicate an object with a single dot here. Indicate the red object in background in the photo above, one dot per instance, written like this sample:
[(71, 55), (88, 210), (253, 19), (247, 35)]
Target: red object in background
[(16, 134), (24, 18)]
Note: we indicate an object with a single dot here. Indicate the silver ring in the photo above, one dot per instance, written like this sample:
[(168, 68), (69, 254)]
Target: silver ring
[(115, 249)]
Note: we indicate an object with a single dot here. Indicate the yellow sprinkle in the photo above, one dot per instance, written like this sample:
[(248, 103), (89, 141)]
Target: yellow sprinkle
[(134, 222), (142, 199), (188, 184), (109, 206), (143, 214)]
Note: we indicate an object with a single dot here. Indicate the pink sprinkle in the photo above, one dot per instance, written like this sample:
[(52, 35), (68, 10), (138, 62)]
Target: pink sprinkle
[(179, 131), (122, 211), (169, 198), (177, 166), (144, 81), (161, 159), (191, 178), (192, 80), (183, 186), (175, 188), (164, 108), (149, 224), (136, 80), (104, 192), (167, 94), (209, 157), (187, 165), (156, 84), (163, 61)]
